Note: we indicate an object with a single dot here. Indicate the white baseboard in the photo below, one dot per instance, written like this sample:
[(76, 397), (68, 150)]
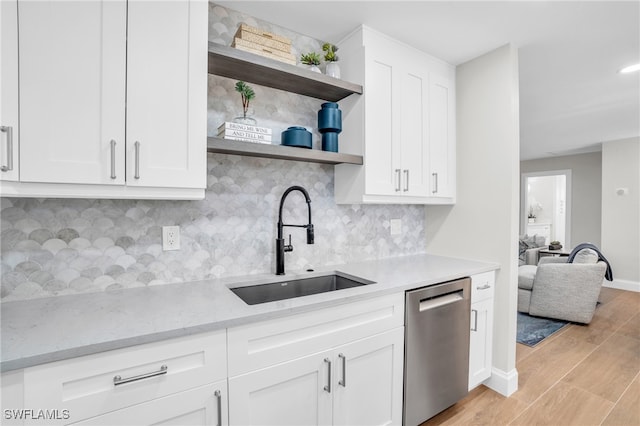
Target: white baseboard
[(623, 285), (503, 382)]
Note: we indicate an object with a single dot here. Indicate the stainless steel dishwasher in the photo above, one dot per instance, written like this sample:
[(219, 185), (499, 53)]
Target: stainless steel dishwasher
[(436, 353)]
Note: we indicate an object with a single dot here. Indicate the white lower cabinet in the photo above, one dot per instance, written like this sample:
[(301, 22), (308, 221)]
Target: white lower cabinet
[(481, 336), (368, 388), (358, 383), (171, 381), (289, 393), (340, 365), (206, 405)]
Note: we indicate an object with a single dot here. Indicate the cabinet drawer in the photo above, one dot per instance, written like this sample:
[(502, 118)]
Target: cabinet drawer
[(270, 342), (86, 386), (197, 406), (482, 286)]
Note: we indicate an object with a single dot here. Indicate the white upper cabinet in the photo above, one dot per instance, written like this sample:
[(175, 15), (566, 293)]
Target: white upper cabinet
[(167, 93), (392, 123), (72, 91), (442, 138), (9, 130), (113, 97)]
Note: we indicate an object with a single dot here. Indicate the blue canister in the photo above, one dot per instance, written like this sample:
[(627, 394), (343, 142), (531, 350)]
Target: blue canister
[(330, 125), (296, 136)]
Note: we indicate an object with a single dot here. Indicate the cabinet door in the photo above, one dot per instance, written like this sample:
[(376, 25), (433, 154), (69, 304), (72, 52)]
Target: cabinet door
[(9, 136), (441, 136), (414, 129), (368, 380), (480, 343), (382, 152), (167, 93), (297, 392), (205, 405), (72, 91)]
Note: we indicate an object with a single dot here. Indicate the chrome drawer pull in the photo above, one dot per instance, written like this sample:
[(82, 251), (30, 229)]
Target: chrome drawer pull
[(343, 382), (117, 380), (9, 131), (218, 396), (475, 320), (328, 387), (484, 287), (406, 180), (398, 180), (435, 182)]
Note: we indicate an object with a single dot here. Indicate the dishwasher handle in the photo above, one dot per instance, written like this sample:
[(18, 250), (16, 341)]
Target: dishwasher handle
[(434, 302)]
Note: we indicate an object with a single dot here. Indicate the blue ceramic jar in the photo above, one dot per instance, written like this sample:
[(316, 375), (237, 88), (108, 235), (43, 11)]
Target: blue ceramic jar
[(296, 136)]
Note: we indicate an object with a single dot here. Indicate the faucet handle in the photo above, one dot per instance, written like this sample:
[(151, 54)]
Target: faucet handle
[(310, 234), (288, 247)]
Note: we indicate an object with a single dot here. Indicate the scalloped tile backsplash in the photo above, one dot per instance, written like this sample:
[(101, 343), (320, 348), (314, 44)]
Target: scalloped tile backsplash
[(52, 247)]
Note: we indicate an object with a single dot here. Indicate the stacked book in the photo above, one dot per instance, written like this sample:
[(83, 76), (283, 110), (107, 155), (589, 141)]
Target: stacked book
[(244, 132), (263, 43)]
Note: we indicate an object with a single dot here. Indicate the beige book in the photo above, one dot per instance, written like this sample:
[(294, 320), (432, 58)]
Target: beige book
[(237, 42)]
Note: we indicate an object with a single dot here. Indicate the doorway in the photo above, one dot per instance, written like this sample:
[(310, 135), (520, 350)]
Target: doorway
[(545, 205)]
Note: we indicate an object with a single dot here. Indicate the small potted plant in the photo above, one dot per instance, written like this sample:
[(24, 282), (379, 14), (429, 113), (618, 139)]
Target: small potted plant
[(532, 215), (555, 245), (312, 59), (332, 70), (247, 94)]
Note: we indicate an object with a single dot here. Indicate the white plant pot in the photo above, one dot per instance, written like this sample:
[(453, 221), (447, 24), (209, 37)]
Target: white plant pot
[(333, 69)]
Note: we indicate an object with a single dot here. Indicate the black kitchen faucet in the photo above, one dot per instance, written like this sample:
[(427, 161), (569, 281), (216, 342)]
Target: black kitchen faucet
[(281, 247)]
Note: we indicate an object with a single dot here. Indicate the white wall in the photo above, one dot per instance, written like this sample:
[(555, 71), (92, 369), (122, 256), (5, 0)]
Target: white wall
[(483, 224), (586, 187), (621, 213)]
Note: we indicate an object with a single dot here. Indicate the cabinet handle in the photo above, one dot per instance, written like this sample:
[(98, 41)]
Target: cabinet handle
[(137, 171), (343, 382), (398, 179), (475, 320), (406, 180), (9, 131), (435, 182), (113, 159), (218, 396), (117, 380), (328, 387), (484, 287)]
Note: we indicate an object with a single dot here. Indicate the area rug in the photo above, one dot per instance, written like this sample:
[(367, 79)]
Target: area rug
[(532, 330)]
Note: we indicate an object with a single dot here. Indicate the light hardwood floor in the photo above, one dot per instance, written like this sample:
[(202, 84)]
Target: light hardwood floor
[(581, 375)]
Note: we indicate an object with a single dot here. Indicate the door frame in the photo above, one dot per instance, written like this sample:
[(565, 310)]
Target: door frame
[(524, 199)]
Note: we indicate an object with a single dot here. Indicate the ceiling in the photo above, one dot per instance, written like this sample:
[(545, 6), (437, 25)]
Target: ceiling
[(572, 98)]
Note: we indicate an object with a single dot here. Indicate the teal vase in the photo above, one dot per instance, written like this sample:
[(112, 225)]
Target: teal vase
[(330, 125)]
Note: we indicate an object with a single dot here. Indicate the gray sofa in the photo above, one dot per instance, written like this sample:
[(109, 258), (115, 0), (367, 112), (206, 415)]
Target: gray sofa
[(556, 289)]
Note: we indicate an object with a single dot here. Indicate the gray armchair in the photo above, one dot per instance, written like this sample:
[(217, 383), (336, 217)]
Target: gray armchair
[(556, 289)]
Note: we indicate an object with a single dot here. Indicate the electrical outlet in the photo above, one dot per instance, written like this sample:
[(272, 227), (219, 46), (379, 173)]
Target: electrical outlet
[(395, 226), (170, 238)]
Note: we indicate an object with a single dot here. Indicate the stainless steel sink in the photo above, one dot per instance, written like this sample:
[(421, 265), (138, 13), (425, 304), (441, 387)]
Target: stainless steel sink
[(280, 290)]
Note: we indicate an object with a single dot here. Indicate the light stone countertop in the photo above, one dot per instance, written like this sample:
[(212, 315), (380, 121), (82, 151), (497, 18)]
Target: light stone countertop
[(50, 329)]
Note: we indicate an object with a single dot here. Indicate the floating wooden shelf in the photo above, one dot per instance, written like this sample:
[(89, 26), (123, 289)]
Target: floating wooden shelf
[(237, 64), (252, 149)]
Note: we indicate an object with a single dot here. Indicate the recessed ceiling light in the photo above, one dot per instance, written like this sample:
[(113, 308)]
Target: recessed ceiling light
[(630, 68)]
